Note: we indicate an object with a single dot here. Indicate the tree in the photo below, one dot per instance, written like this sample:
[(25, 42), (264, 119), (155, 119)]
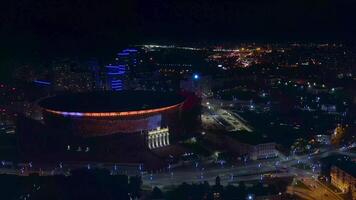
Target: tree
[(242, 189), (156, 193), (230, 192), (217, 181), (135, 183), (218, 188), (258, 189)]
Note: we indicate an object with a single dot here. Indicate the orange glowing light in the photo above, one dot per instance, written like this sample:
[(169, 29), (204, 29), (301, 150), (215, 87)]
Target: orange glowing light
[(113, 114)]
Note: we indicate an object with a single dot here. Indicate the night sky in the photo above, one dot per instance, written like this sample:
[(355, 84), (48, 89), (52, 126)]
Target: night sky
[(34, 30)]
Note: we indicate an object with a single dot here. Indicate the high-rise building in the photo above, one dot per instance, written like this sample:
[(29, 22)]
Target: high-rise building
[(116, 77), (97, 73), (119, 73)]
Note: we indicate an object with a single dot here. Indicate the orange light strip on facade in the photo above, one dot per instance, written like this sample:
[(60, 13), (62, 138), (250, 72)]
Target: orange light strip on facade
[(112, 114)]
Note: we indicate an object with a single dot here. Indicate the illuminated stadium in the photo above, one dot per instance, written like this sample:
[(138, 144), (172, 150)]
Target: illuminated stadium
[(133, 127), (109, 113)]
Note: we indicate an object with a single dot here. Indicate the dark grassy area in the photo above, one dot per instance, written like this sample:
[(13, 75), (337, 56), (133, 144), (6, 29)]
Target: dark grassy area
[(286, 128), (8, 148), (198, 148)]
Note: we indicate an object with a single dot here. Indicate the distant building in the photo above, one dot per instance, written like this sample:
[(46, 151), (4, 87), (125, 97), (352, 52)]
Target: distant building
[(263, 151), (7, 127), (98, 74), (116, 77), (338, 135), (323, 139), (71, 77), (328, 108), (343, 176), (197, 84), (119, 73), (254, 148), (73, 81)]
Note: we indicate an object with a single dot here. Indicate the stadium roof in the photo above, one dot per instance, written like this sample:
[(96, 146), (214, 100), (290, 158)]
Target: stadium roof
[(121, 101)]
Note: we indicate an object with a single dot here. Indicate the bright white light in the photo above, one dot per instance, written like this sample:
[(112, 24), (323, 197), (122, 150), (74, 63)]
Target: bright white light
[(196, 76)]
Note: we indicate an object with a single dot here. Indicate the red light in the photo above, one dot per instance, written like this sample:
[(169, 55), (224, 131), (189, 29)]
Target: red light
[(115, 114)]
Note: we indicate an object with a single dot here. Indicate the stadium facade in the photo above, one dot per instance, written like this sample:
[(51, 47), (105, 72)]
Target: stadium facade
[(153, 115)]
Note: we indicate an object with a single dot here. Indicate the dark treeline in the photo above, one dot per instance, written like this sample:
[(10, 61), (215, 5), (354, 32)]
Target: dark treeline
[(99, 184), (82, 184)]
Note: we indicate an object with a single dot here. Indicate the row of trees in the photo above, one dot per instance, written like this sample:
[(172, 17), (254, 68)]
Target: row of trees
[(99, 184), (217, 191), (81, 185)]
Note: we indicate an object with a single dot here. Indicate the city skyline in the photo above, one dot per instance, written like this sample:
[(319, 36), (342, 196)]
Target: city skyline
[(212, 100)]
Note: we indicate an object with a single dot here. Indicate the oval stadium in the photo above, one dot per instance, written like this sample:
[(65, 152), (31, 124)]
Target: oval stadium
[(108, 113)]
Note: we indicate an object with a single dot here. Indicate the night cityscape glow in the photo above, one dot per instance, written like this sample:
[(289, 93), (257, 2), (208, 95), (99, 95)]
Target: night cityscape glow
[(178, 100)]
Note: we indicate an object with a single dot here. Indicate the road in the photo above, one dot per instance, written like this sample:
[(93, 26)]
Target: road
[(319, 190), (251, 171), (230, 121), (280, 167), (315, 191)]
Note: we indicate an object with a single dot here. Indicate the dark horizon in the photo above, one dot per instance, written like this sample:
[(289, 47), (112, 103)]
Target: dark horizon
[(123, 22), (34, 31)]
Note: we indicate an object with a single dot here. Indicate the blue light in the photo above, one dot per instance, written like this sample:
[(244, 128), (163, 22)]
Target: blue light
[(116, 66), (77, 114), (42, 82), (116, 73), (130, 50), (196, 76)]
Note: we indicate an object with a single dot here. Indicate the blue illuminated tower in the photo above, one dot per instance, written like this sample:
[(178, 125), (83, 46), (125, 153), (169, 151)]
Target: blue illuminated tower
[(118, 74), (116, 77)]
